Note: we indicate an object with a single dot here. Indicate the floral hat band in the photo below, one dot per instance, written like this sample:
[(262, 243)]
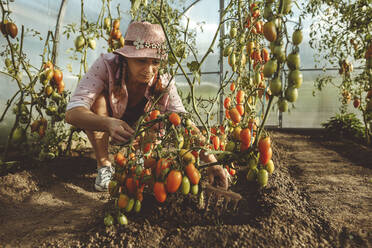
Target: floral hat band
[(144, 40), (140, 44)]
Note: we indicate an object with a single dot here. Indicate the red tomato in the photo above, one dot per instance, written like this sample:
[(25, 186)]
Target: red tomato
[(216, 142), (245, 136), (265, 156), (244, 147), (131, 185), (264, 144)]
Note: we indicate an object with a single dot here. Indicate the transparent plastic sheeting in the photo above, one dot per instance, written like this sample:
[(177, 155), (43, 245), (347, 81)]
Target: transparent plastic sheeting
[(41, 15)]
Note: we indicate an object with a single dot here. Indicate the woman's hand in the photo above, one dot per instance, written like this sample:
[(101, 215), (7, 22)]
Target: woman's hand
[(119, 130), (218, 176)]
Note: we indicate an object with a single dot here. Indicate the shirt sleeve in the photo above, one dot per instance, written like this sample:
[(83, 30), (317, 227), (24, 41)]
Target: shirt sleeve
[(174, 102), (90, 86)]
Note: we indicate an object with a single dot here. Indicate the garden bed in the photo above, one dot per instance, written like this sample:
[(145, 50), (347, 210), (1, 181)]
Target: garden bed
[(319, 195)]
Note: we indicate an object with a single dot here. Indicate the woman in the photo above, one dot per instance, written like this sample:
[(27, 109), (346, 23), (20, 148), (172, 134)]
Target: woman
[(118, 89)]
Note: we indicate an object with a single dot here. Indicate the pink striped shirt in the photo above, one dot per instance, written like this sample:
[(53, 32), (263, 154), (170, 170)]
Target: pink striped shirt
[(102, 76)]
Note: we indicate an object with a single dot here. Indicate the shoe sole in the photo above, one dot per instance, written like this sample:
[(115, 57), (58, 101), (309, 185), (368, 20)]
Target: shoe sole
[(100, 188)]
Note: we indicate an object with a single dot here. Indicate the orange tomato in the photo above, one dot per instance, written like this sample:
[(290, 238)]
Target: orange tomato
[(132, 156), (154, 114), (227, 113), (227, 102), (252, 125), (58, 76), (240, 109), (116, 24), (240, 96), (48, 65), (232, 86), (192, 173), (123, 201), (258, 27), (159, 192), (175, 119), (174, 180), (235, 115), (245, 136), (120, 159), (265, 54), (61, 87), (161, 165), (216, 142)]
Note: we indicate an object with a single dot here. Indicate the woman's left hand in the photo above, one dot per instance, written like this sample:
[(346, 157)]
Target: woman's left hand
[(218, 176)]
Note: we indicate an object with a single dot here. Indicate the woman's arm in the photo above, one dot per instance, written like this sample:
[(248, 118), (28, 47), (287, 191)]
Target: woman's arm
[(83, 118)]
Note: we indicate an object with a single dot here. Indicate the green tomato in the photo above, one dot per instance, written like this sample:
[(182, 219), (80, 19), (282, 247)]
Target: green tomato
[(122, 220), (252, 174), (185, 185), (230, 146), (276, 86), (92, 43), (18, 136), (293, 61), (297, 37), (195, 189), (295, 78), (282, 105), (108, 220), (233, 32), (270, 68), (291, 94), (137, 206), (130, 205), (262, 177), (79, 42)]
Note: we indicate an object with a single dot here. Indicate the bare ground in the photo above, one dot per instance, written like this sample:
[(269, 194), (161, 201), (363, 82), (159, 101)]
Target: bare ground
[(319, 196)]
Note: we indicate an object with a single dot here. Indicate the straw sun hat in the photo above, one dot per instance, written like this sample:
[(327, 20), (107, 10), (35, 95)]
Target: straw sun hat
[(144, 40)]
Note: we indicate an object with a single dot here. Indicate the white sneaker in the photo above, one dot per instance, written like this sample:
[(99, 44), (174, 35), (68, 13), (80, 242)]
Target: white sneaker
[(103, 178)]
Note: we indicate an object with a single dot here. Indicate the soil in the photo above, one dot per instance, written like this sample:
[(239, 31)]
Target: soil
[(318, 196)]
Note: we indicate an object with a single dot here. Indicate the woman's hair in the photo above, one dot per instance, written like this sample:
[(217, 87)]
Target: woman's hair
[(156, 89)]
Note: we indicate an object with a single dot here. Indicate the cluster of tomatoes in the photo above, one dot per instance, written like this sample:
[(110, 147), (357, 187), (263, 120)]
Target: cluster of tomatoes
[(9, 28), (116, 39), (153, 169), (53, 92)]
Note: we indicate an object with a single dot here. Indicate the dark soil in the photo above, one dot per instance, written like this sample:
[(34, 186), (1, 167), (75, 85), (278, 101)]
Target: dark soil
[(318, 196)]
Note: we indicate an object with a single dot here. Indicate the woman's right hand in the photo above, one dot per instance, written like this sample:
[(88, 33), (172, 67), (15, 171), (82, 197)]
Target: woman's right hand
[(119, 130)]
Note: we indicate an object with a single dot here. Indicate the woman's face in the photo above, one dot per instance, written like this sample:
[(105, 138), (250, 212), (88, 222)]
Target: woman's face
[(142, 70)]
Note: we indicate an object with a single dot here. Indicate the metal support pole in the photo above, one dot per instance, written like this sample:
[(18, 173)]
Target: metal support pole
[(222, 33), (61, 14)]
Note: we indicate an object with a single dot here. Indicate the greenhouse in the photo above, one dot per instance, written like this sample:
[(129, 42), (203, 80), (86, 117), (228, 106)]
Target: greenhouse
[(191, 123)]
